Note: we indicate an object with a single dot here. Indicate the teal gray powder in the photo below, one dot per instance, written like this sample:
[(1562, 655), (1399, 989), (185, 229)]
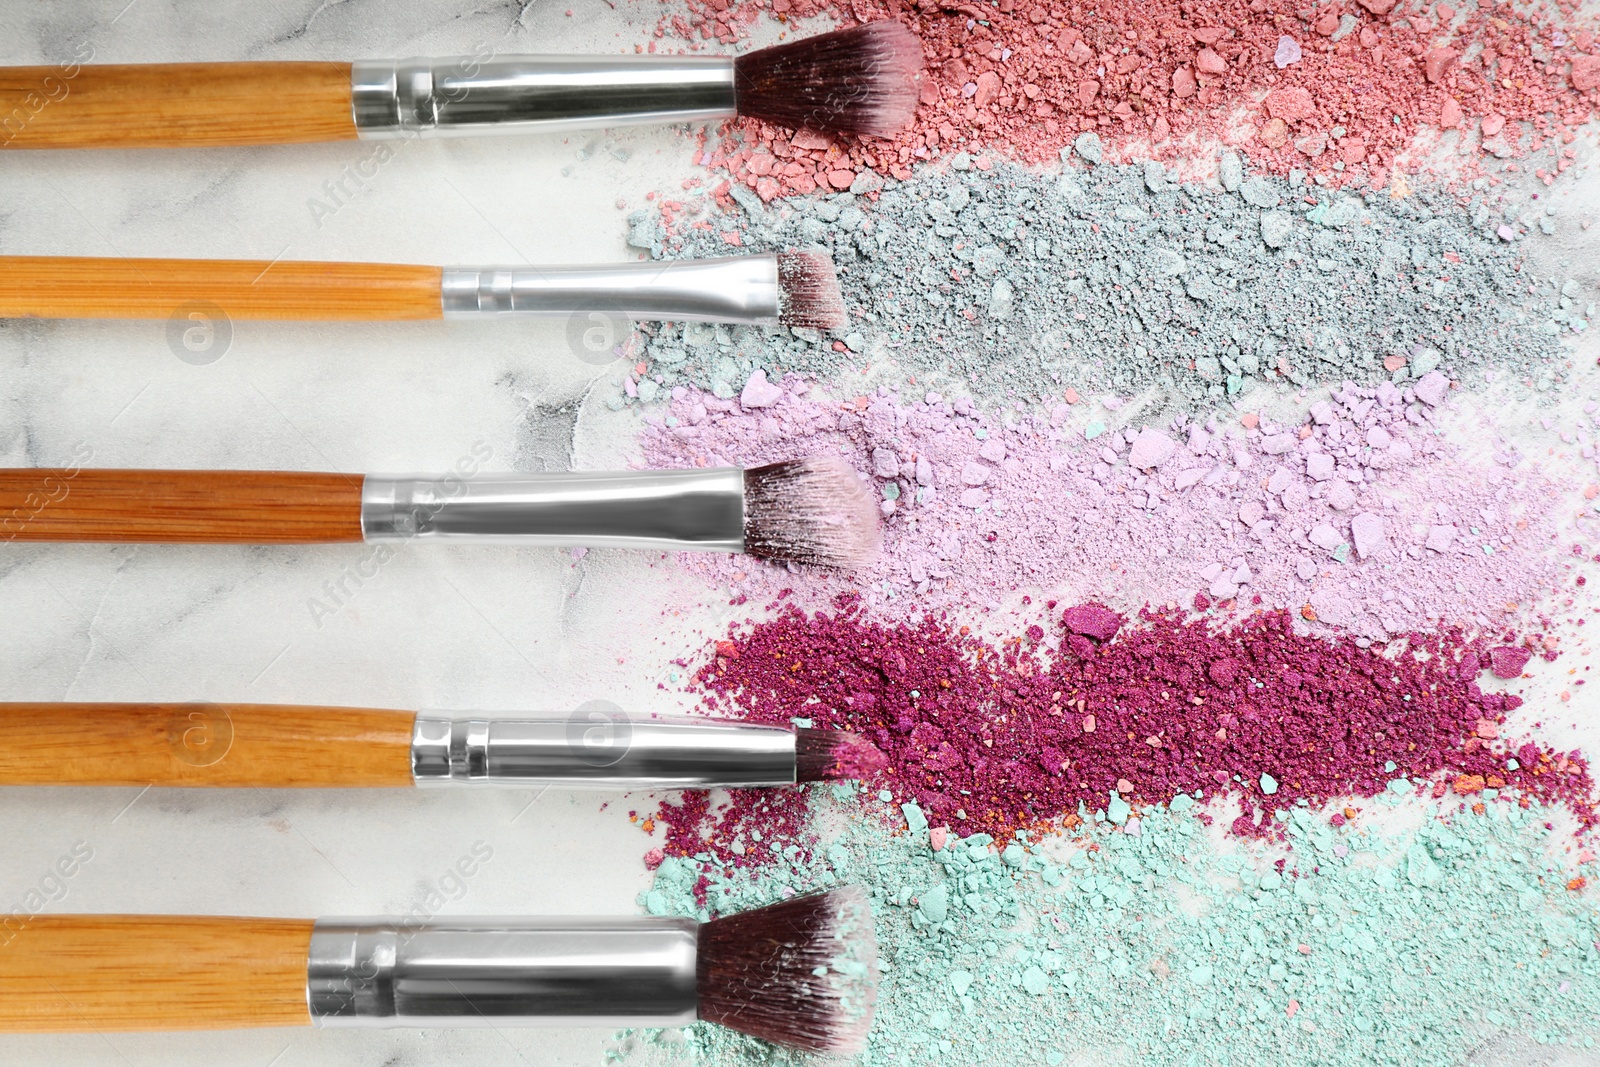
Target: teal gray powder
[(1119, 279), (1408, 945)]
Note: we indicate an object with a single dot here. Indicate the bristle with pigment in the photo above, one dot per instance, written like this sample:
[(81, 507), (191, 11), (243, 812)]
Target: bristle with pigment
[(861, 81), (834, 755), (802, 972), (813, 511), (808, 292)]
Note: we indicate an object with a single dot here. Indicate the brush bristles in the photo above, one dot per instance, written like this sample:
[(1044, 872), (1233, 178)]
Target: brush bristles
[(802, 972), (833, 755), (861, 81), (808, 292), (813, 511)]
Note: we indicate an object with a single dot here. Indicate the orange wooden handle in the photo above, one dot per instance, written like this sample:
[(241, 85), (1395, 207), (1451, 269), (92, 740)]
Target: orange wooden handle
[(265, 745), (216, 507), (147, 972), (160, 105), (63, 287)]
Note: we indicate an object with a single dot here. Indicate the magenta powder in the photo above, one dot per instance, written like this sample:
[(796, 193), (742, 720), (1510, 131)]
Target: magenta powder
[(994, 738)]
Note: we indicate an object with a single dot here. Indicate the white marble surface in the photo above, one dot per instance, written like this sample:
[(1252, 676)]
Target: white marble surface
[(449, 629)]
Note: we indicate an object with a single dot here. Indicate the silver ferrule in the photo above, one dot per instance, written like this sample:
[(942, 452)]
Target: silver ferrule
[(687, 509), (395, 98), (393, 971), (737, 289), (601, 748)]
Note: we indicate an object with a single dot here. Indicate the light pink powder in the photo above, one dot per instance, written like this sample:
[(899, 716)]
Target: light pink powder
[(1357, 518)]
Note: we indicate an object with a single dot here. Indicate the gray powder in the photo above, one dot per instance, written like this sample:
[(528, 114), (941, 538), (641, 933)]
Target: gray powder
[(1013, 283)]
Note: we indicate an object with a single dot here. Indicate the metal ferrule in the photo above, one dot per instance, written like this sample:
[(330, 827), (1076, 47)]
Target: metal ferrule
[(601, 749), (473, 94), (737, 289), (688, 509), (393, 971)]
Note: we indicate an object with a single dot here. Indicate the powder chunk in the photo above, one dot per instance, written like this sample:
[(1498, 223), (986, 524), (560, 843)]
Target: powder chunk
[(1230, 170), (1585, 72), (1325, 536), (935, 904), (1269, 784), (1151, 449), (1319, 466), (974, 473), (1088, 147), (1440, 537), (758, 392), (1277, 444), (1436, 61), (885, 464), (1276, 228), (1292, 104), (1092, 620), (1507, 661), (1431, 388), (1287, 53), (1366, 529)]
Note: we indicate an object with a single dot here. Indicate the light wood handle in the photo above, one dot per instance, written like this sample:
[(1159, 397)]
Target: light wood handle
[(162, 105), (138, 972), (235, 745), (59, 287), (215, 507)]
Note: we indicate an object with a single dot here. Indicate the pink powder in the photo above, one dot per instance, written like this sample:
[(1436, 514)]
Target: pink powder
[(1313, 518), (1025, 79), (1001, 737)]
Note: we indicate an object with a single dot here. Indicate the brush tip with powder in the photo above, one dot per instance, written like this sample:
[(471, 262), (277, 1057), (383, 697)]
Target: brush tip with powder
[(808, 291), (860, 81), (812, 511), (802, 972), (834, 755)]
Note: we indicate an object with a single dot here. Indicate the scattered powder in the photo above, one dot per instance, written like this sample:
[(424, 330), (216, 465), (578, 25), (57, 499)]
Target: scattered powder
[(987, 738), (1377, 941), (1012, 282), (1343, 90), (1359, 518)]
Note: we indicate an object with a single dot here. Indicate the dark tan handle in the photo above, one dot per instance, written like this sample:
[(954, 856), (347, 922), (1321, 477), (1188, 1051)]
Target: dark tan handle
[(61, 287), (215, 507), (143, 972), (265, 745), (166, 105)]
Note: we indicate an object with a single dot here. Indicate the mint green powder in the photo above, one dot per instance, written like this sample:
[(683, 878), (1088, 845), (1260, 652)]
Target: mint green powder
[(1172, 944)]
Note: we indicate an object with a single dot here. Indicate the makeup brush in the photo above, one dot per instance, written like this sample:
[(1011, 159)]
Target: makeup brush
[(272, 746), (801, 972), (858, 82), (787, 289), (810, 511)]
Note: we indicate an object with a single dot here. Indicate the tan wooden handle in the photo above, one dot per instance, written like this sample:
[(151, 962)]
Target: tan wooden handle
[(146, 972), (161, 105), (235, 745), (61, 287), (213, 507)]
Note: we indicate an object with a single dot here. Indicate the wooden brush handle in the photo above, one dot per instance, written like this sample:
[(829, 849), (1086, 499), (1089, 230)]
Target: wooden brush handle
[(264, 745), (58, 287), (160, 105), (214, 507), (137, 972)]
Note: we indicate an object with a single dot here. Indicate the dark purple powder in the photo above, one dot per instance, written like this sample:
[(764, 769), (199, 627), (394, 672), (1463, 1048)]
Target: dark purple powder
[(1507, 661), (997, 737)]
